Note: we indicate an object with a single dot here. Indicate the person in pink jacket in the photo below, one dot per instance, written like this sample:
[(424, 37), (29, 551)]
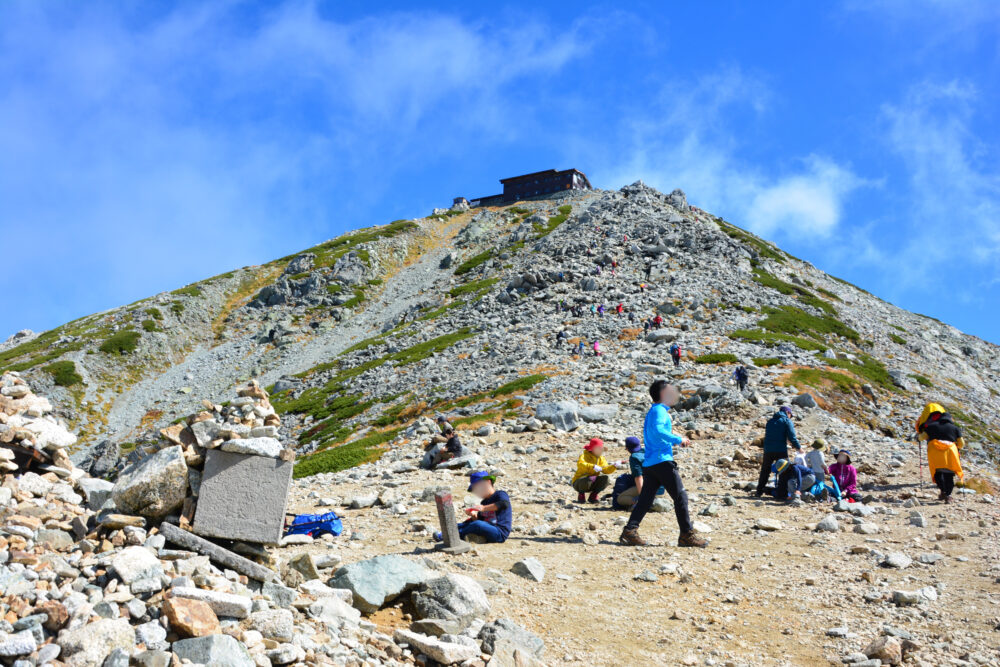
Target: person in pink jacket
[(846, 476), (597, 348)]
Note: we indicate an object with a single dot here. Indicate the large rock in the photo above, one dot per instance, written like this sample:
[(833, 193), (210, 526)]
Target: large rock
[(95, 491), (135, 563), (602, 412), (887, 649), (102, 459), (332, 610), (529, 568), (897, 560), (90, 644), (190, 618), (444, 652), (828, 524), (243, 497), (379, 580), (453, 596), (223, 604), (804, 401), (155, 486), (561, 414), (277, 624), (268, 447), (215, 650), (502, 631)]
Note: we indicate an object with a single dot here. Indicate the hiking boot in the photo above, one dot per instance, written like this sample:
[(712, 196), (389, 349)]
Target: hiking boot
[(948, 500), (630, 537), (824, 495), (691, 540), (581, 497), (593, 498), (941, 496)]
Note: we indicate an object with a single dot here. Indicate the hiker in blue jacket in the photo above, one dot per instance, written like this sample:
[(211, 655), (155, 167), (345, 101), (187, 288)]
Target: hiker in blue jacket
[(778, 432), (660, 469)]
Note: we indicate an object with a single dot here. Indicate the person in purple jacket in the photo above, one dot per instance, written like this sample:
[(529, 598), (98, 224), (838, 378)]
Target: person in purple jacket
[(846, 476)]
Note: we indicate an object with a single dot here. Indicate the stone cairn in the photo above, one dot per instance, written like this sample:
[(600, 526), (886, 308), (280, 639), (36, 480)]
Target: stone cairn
[(28, 429)]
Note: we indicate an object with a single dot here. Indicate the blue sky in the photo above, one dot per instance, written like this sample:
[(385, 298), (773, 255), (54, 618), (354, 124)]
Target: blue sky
[(147, 145)]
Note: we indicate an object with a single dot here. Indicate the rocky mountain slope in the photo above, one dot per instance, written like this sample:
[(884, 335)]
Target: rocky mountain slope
[(361, 338)]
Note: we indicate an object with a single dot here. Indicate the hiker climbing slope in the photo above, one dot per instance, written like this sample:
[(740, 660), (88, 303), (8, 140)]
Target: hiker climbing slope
[(944, 439)]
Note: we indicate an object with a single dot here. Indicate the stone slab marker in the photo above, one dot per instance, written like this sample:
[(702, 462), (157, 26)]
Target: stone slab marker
[(216, 554), (243, 497), (452, 543)]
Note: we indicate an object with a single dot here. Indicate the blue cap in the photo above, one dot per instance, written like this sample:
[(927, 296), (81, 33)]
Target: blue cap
[(480, 476), (632, 443)]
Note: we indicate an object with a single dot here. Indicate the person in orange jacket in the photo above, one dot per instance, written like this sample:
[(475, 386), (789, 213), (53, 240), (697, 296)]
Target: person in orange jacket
[(944, 439)]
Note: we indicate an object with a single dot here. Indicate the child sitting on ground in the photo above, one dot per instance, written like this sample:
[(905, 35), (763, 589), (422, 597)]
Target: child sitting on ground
[(592, 471), (846, 476), (489, 521), (629, 485)]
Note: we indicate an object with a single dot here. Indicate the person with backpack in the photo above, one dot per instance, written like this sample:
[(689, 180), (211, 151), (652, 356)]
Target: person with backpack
[(660, 469), (675, 353), (628, 486), (778, 432), (944, 439), (793, 479), (658, 321), (742, 377)]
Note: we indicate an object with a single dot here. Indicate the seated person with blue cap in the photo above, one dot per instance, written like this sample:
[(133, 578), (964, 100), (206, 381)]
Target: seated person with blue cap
[(491, 519)]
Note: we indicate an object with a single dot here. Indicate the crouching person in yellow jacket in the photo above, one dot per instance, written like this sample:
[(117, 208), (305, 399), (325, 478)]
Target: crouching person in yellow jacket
[(944, 439), (592, 471)]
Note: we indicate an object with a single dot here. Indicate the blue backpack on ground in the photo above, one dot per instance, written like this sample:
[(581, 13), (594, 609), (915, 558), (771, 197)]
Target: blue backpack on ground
[(315, 525)]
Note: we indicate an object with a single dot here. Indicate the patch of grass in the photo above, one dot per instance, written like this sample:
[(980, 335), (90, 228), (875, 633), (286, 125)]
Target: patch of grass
[(334, 288), (898, 328), (520, 384), (519, 210), (336, 459), (796, 322), (818, 377), (177, 308), (364, 344), (764, 362), (120, 343), (357, 299), (775, 339), (437, 312), (802, 294), (477, 287), (748, 309), (64, 373), (870, 369), (763, 248), (717, 358), (149, 325), (421, 351), (899, 340), (154, 313), (329, 252), (473, 262), (299, 276), (828, 294), (921, 380), (190, 290), (375, 282)]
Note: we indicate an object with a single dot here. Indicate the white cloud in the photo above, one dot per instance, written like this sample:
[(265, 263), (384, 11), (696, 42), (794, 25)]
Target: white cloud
[(689, 141), (146, 147)]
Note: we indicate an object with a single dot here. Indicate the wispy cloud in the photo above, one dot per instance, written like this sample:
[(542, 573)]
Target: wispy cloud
[(688, 140), (149, 147)]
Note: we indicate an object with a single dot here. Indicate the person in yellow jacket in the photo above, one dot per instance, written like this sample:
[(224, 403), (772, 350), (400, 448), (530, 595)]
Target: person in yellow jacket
[(592, 471), (944, 439)]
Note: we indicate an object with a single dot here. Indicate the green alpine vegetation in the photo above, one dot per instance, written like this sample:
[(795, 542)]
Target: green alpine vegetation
[(342, 457), (63, 373), (473, 262), (717, 358), (122, 342), (763, 248)]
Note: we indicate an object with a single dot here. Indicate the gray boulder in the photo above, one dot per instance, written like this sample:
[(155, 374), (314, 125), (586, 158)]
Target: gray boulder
[(602, 412), (561, 414), (153, 487), (379, 580), (300, 264), (95, 491), (102, 459), (90, 644), (804, 401), (529, 568), (453, 597), (216, 650), (505, 631)]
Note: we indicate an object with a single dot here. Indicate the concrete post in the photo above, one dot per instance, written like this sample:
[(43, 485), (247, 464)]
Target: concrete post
[(452, 543)]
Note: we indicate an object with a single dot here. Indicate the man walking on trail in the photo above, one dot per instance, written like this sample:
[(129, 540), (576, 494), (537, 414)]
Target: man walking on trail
[(778, 432), (659, 469), (741, 376), (675, 353)]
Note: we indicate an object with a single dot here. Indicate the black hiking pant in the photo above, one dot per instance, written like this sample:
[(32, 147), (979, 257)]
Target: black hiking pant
[(666, 475), (945, 480), (742, 384), (765, 468), (676, 358)]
